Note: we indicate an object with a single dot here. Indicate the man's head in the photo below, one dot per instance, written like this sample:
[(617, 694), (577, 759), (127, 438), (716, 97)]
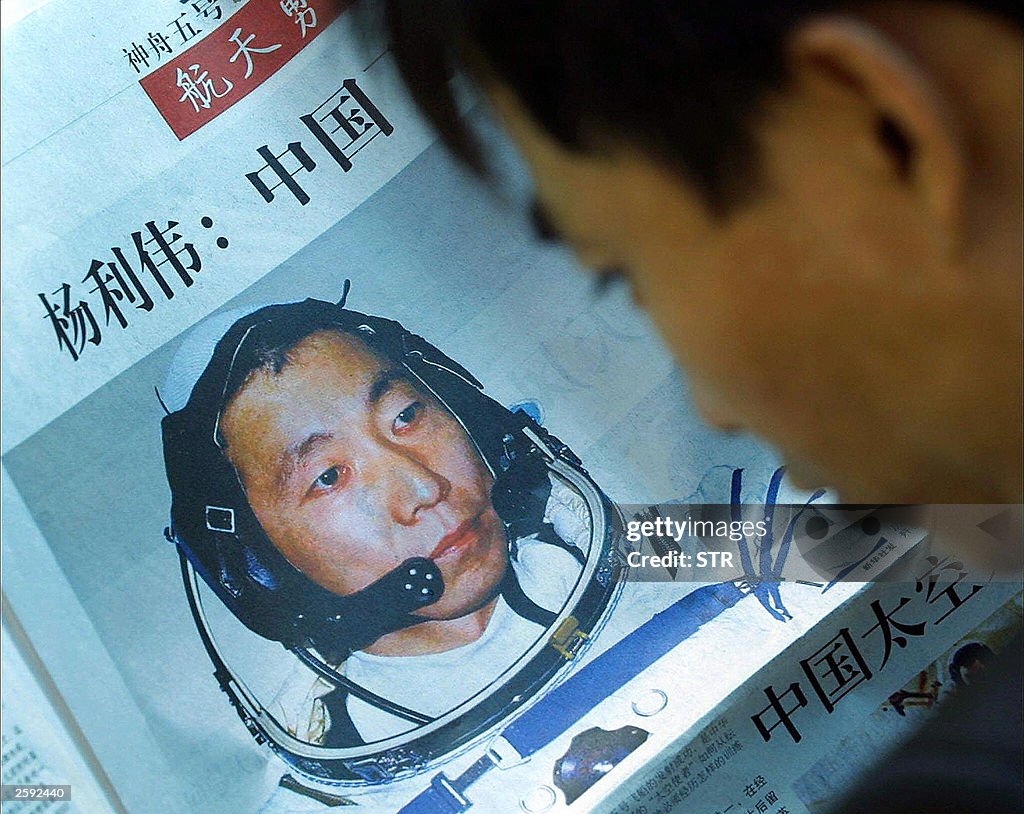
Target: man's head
[(351, 469), (818, 204)]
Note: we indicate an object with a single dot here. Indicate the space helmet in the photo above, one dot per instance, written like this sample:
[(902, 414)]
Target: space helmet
[(225, 551)]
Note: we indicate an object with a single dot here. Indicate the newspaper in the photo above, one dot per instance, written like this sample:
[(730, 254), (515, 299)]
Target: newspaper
[(184, 183)]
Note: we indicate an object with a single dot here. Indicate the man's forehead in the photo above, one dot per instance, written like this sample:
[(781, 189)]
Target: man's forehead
[(324, 372), (341, 359), (326, 362), (327, 346)]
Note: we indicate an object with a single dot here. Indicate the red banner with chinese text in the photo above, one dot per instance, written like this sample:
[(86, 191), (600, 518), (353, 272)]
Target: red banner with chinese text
[(236, 58)]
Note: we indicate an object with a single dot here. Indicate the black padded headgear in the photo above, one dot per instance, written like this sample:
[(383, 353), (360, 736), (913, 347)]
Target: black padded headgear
[(214, 526)]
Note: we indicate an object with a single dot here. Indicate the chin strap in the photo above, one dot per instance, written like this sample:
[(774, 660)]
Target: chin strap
[(346, 685), (349, 623), (515, 597), (510, 590)]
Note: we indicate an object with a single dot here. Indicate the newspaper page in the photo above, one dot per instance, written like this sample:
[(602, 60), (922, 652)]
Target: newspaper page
[(325, 485), (35, 748)]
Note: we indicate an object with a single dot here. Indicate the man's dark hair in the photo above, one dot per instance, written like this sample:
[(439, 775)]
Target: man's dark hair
[(270, 346), (684, 80)]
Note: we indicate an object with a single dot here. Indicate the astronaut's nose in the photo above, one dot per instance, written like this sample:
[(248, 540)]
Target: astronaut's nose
[(414, 488)]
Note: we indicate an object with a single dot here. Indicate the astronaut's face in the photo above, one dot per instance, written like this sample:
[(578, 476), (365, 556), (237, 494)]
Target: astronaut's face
[(352, 470)]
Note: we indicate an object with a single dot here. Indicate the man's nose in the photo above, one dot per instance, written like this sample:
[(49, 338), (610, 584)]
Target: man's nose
[(413, 486)]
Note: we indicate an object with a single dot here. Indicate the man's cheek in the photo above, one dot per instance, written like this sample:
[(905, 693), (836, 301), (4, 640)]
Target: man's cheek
[(460, 464), (477, 576), (360, 509), (350, 542)]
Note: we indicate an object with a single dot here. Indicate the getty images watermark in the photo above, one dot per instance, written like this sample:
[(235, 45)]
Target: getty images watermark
[(670, 533), (815, 544)]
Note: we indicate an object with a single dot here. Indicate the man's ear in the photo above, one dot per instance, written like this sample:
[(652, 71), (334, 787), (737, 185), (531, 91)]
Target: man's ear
[(913, 127)]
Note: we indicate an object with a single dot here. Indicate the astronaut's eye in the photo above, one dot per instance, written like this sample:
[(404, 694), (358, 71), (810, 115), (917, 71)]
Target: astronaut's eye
[(328, 478), (405, 419)]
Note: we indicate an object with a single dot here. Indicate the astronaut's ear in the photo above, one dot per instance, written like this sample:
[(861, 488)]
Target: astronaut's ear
[(512, 492)]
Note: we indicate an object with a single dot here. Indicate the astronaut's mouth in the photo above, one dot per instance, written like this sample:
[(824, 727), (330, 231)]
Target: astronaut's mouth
[(463, 536)]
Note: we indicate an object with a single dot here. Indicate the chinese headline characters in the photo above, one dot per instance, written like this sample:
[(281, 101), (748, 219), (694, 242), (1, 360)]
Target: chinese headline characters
[(158, 260), (343, 125), (839, 666)]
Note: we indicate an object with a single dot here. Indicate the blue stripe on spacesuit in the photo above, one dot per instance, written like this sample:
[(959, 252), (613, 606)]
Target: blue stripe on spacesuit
[(557, 711), (581, 692)]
